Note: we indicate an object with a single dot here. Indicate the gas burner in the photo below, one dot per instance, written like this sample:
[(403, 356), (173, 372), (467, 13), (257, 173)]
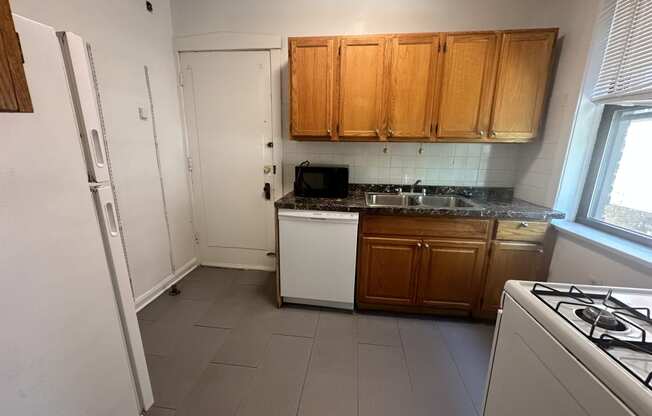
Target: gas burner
[(601, 318)]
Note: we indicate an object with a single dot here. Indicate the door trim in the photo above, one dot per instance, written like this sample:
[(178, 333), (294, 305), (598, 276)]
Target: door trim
[(225, 41)]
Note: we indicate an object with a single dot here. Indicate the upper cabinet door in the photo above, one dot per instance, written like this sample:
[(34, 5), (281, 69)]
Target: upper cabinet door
[(412, 81), (362, 73), (14, 94), (467, 85), (523, 73), (312, 86)]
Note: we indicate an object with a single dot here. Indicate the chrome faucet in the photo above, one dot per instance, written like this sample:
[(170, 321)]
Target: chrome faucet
[(414, 184)]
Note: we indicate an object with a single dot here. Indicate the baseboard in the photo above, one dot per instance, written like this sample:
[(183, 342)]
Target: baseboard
[(147, 297), (238, 266)]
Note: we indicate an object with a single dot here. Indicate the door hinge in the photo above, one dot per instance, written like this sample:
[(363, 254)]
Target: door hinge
[(20, 48), (444, 48), (339, 50), (180, 78), (189, 162), (436, 128), (439, 47)]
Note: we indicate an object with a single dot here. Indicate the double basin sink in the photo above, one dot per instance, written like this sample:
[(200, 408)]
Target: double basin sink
[(407, 200)]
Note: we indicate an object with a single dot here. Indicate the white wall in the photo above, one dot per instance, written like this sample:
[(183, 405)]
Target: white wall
[(439, 163), (576, 261), (125, 37)]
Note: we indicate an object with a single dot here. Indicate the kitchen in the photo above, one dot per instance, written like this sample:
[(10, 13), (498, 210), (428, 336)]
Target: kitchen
[(442, 148)]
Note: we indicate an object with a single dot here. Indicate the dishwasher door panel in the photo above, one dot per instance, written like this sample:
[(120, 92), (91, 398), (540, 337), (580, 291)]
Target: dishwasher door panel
[(318, 257)]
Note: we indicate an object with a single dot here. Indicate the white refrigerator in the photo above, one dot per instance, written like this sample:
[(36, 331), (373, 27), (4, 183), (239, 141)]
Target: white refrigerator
[(70, 342)]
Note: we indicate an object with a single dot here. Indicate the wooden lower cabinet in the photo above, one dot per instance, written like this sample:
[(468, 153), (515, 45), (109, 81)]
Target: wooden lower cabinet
[(387, 270), (451, 272), (510, 261), (447, 265)]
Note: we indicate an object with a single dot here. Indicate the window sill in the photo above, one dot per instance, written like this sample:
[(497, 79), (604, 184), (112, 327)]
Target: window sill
[(629, 250)]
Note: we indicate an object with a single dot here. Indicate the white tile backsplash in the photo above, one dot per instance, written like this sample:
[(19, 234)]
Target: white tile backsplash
[(466, 164)]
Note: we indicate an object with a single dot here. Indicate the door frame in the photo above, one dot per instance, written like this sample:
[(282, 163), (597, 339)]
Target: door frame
[(224, 42)]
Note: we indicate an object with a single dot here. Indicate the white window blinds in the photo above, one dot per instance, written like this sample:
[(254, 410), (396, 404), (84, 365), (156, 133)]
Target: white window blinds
[(626, 71)]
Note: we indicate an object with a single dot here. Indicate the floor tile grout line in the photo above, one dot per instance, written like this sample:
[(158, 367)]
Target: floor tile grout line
[(457, 367), (291, 335), (163, 407), (305, 376), (226, 328), (377, 344), (405, 360), (231, 364)]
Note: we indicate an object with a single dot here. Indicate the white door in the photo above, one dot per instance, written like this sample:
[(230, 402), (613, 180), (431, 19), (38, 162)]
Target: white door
[(62, 346), (227, 101)]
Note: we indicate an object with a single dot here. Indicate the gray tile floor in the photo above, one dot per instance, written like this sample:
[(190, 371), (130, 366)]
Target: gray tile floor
[(223, 348)]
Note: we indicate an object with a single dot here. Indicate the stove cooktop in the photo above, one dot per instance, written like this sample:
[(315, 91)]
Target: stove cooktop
[(619, 323)]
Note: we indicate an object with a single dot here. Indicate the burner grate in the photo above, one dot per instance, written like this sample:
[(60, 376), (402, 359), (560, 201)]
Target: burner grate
[(606, 342)]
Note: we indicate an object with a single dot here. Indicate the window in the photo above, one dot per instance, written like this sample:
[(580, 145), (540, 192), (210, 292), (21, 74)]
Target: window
[(617, 196)]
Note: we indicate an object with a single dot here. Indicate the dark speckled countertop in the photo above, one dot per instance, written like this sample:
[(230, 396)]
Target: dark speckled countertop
[(487, 203)]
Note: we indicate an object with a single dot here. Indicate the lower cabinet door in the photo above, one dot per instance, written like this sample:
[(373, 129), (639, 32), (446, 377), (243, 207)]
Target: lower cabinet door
[(451, 273), (510, 261), (388, 268)]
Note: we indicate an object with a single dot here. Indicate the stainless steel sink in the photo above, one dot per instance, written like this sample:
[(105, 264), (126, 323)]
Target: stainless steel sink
[(435, 201), (385, 200), (379, 199)]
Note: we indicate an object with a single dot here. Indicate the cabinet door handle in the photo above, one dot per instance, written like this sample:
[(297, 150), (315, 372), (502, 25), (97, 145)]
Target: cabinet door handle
[(391, 132), (524, 224), (419, 245), (328, 131), (492, 133), (427, 245), (482, 133), (540, 250), (377, 132)]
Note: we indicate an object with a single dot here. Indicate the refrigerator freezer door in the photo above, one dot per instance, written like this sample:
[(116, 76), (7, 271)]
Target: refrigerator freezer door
[(82, 85), (105, 205), (62, 346)]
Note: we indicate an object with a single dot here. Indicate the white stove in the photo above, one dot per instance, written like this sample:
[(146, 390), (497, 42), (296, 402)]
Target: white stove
[(566, 349), (617, 321)]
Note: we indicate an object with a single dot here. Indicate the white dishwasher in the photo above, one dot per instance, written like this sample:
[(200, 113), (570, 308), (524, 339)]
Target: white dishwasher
[(317, 257)]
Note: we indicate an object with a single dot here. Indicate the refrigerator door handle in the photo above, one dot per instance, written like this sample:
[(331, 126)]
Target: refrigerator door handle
[(97, 148), (112, 221), (82, 82)]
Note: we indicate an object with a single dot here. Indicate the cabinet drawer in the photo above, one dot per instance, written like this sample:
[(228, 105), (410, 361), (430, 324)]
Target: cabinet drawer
[(426, 227), (534, 231)]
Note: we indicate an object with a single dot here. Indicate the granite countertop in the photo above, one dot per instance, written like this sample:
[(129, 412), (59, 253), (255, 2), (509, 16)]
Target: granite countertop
[(487, 203)]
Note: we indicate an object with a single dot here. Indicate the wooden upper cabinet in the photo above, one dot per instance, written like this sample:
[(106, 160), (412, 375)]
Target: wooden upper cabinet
[(450, 274), (467, 85), (362, 82), (312, 86), (485, 86), (511, 260), (387, 269), (523, 72), (414, 62), (14, 94)]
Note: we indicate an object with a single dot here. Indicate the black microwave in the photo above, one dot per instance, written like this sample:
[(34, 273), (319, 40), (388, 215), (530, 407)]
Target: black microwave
[(321, 181)]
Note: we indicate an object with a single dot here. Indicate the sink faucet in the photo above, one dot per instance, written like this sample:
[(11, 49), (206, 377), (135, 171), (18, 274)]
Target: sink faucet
[(414, 184)]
